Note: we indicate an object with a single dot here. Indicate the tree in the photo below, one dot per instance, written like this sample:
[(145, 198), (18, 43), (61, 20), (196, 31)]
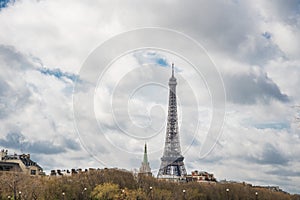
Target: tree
[(137, 194), (11, 180), (106, 191)]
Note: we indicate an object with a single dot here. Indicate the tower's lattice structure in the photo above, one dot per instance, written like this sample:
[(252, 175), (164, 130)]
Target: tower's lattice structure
[(172, 165)]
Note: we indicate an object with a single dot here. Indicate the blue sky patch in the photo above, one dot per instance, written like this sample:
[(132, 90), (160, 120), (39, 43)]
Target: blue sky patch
[(3, 3), (272, 125), (162, 62), (58, 73), (151, 57), (267, 35)]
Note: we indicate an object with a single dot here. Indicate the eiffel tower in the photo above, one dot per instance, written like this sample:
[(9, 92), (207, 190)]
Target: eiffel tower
[(172, 166)]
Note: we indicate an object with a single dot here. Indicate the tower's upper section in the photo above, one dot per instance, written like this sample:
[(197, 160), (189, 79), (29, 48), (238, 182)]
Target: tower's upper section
[(172, 80)]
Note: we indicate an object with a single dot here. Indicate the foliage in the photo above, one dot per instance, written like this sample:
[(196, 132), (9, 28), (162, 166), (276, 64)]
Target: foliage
[(106, 191), (136, 194), (117, 184)]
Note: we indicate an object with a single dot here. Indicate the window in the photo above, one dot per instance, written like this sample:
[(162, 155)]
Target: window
[(33, 172)]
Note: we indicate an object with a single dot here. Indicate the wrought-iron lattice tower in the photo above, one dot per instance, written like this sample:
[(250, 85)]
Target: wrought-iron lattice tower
[(172, 165)]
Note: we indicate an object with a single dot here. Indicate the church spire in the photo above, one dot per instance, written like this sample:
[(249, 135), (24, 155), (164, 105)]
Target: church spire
[(145, 161), (145, 167)]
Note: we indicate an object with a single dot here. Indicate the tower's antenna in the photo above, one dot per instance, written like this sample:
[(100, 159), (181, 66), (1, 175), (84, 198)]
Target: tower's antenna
[(172, 69)]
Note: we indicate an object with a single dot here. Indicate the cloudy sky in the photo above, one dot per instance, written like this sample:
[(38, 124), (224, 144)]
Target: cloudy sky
[(51, 108)]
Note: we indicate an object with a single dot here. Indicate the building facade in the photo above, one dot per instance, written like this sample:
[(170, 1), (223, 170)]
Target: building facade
[(201, 177), (19, 163)]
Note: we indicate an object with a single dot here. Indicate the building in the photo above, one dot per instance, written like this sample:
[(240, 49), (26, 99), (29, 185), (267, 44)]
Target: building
[(271, 188), (145, 167), (172, 166), (19, 163), (201, 177), (67, 172)]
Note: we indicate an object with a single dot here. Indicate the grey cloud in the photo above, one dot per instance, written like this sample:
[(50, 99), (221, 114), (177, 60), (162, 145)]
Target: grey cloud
[(258, 49), (71, 144), (222, 26), (252, 88), (13, 58), (44, 147), (284, 172), (271, 156), (12, 99), (228, 27), (16, 140), (286, 10), (14, 94)]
